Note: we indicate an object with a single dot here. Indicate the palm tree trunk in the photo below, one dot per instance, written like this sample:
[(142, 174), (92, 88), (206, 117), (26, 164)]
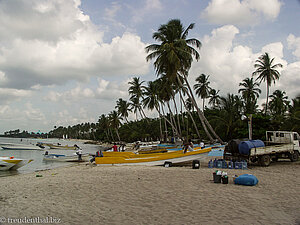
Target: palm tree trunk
[(173, 120), (166, 120), (201, 116), (267, 98), (160, 129), (118, 134), (178, 120), (189, 112)]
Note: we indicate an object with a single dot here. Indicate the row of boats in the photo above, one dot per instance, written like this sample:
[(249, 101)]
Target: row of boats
[(38, 146), (13, 163), (153, 155), (158, 155)]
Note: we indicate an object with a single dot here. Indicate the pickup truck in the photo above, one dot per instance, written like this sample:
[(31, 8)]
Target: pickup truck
[(278, 144)]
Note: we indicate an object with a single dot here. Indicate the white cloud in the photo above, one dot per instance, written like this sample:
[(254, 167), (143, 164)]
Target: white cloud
[(225, 63), (105, 90), (33, 114), (9, 94), (294, 42), (71, 48), (149, 9), (241, 12), (228, 63)]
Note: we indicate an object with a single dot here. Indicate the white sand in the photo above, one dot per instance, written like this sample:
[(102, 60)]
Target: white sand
[(153, 195)]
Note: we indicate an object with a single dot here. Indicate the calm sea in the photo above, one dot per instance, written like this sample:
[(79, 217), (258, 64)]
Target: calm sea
[(37, 155)]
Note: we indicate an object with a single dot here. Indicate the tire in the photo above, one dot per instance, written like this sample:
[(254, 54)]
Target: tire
[(275, 159), (167, 164), (294, 156), (265, 160)]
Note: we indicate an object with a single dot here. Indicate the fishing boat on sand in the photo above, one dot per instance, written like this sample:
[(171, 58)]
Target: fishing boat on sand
[(66, 158), (14, 146), (12, 163), (132, 158), (62, 147)]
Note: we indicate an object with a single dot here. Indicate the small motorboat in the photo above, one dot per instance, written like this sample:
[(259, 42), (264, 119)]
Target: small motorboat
[(66, 158), (14, 146), (62, 147), (12, 163)]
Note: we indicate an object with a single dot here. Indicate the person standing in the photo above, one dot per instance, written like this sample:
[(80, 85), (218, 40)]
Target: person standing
[(79, 153), (115, 147), (188, 146)]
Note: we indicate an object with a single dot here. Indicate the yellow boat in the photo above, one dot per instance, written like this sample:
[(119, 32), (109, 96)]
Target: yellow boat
[(130, 158)]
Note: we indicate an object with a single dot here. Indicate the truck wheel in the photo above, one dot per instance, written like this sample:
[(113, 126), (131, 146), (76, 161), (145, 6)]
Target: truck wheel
[(294, 156), (275, 159), (265, 160)]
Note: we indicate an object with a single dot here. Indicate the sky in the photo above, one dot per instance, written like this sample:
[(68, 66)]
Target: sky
[(65, 62)]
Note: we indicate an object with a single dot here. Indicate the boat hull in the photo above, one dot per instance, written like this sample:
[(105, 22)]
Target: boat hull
[(64, 158), (9, 163), (152, 159), (12, 146)]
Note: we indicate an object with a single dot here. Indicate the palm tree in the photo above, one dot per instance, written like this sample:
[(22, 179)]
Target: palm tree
[(104, 125), (202, 87), (114, 121), (189, 104), (151, 100), (250, 93), (266, 71), (230, 107), (279, 103), (214, 98), (123, 107), (136, 91), (174, 56)]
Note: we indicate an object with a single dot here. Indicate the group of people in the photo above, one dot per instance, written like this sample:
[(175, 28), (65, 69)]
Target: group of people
[(189, 146), (121, 148)]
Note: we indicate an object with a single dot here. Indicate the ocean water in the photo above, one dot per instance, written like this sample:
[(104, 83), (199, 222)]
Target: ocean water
[(37, 155)]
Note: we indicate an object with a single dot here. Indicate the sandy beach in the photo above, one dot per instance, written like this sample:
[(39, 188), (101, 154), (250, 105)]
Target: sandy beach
[(85, 194)]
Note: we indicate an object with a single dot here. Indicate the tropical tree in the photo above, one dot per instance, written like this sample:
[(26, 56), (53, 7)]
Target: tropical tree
[(266, 71), (123, 108), (114, 121), (136, 91), (214, 98), (202, 87), (279, 103), (229, 117), (103, 124), (250, 92), (174, 56)]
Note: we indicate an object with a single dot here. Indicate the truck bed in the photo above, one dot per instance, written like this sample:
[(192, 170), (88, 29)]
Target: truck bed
[(272, 149)]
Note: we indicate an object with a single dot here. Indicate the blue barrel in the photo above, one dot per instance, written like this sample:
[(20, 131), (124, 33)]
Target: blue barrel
[(246, 146)]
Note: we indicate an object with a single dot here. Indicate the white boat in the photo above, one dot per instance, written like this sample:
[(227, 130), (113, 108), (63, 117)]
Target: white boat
[(12, 163), (14, 146), (66, 158)]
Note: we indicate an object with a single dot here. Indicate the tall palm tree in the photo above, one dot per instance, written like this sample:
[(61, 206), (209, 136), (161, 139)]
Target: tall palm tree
[(174, 56), (214, 98), (123, 108), (104, 125), (250, 93), (266, 71), (114, 121), (136, 91), (202, 87)]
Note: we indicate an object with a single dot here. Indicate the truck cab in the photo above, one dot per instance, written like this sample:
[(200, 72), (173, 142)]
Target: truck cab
[(283, 137)]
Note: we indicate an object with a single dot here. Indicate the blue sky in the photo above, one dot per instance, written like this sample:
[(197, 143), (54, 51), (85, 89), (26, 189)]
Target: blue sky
[(67, 62)]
